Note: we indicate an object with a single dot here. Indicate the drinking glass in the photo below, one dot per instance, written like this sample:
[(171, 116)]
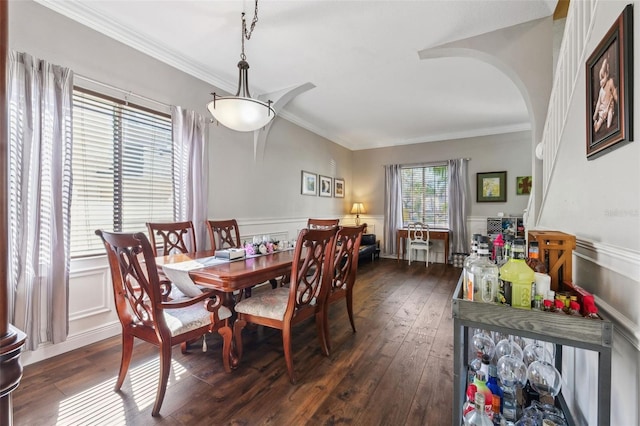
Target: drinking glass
[(483, 345), (537, 351), (508, 347), (544, 378)]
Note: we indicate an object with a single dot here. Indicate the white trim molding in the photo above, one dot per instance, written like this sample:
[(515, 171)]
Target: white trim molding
[(84, 338), (617, 259)]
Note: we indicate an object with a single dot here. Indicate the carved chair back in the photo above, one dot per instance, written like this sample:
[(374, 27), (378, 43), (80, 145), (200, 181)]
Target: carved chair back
[(322, 223), (175, 237), (224, 234)]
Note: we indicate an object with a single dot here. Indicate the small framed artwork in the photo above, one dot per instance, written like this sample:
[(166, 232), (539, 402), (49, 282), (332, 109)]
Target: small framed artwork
[(491, 187), (309, 183), (325, 186), (609, 89), (523, 185), (338, 188)]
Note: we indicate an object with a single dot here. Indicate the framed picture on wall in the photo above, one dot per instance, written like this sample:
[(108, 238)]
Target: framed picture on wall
[(338, 188), (491, 187), (309, 183), (609, 89), (326, 186), (523, 185)]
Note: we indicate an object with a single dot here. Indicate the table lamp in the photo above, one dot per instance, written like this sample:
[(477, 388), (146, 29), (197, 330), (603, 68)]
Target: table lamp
[(357, 209)]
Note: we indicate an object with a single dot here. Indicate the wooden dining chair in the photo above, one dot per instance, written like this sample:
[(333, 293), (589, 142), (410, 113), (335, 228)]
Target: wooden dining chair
[(345, 268), (174, 237), (418, 239), (322, 223), (144, 314), (283, 307), (224, 234)]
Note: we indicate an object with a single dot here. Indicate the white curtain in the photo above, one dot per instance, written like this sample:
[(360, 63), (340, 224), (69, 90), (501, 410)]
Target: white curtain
[(40, 141), (190, 170), (458, 205), (392, 206)]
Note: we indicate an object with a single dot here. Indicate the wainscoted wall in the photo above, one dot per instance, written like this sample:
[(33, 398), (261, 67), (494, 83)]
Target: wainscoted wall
[(612, 274)]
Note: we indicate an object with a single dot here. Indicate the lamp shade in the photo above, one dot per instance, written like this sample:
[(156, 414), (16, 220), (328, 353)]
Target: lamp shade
[(357, 208), (241, 114)]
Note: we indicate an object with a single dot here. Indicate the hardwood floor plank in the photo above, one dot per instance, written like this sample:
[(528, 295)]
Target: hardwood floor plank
[(396, 369)]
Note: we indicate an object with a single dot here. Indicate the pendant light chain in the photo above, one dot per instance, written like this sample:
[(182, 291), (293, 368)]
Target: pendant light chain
[(247, 34), (241, 112)]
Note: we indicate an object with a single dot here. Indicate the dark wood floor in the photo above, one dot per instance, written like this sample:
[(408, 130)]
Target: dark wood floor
[(396, 370)]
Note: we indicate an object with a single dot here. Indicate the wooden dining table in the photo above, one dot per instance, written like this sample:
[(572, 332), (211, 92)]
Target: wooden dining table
[(236, 275), (226, 278)]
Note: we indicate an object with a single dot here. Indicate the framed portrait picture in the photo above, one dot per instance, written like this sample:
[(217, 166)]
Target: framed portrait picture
[(523, 185), (309, 183), (326, 186), (491, 187), (338, 188), (609, 89)]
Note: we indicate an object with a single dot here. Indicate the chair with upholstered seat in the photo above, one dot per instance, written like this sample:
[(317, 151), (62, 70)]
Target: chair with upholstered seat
[(284, 307), (418, 239), (344, 272), (322, 223), (144, 314), (176, 237)]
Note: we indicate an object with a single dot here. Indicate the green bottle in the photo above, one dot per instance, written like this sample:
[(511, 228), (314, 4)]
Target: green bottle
[(519, 274)]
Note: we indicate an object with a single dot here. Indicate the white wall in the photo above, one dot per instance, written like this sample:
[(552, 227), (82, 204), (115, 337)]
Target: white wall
[(599, 202), (263, 195)]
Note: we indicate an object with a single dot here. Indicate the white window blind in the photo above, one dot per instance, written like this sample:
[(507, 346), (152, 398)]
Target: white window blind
[(425, 195), (122, 169)]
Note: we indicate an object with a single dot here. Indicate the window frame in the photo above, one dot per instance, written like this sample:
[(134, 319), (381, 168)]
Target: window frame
[(442, 193), (125, 118)]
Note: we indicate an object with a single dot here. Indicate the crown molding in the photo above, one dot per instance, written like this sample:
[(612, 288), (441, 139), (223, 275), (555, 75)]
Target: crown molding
[(84, 14), (483, 131)]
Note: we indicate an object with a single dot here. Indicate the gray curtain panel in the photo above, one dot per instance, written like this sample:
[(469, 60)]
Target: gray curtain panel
[(190, 170), (458, 205), (40, 148), (392, 206)]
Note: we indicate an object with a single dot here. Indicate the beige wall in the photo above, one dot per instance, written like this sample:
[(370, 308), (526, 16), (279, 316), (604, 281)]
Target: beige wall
[(507, 152)]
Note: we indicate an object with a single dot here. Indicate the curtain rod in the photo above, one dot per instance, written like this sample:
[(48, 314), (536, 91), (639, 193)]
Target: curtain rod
[(125, 92), (423, 163)]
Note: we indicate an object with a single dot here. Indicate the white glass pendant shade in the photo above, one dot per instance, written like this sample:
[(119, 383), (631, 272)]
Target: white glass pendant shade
[(241, 114)]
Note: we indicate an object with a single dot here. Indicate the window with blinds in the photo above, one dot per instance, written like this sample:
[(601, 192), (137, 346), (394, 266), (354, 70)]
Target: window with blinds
[(425, 195), (122, 169)]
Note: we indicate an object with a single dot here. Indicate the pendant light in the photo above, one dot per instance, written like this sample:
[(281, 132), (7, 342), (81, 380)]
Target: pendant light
[(241, 112)]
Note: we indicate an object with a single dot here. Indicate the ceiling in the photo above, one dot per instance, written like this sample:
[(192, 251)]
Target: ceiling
[(371, 88)]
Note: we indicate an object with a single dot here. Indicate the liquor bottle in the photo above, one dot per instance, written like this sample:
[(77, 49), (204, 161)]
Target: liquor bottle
[(521, 277), (481, 385), (467, 278), (485, 365), (496, 391), (478, 417), (469, 405), (509, 403), (533, 260), (485, 274), (498, 250)]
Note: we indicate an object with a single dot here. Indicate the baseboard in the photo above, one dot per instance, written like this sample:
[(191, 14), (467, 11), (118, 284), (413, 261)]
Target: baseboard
[(73, 342)]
